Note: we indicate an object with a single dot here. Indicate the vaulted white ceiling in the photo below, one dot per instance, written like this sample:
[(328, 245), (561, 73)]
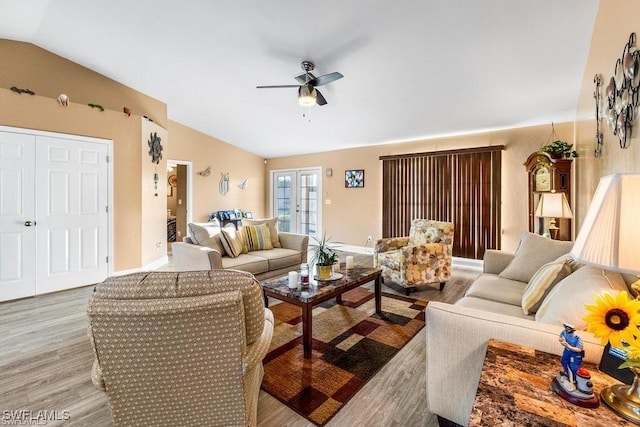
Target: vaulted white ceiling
[(413, 69)]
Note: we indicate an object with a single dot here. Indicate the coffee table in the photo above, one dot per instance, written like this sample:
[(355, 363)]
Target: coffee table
[(319, 291)]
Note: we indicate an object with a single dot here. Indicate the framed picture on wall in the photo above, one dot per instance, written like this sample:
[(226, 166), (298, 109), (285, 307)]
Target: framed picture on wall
[(354, 178)]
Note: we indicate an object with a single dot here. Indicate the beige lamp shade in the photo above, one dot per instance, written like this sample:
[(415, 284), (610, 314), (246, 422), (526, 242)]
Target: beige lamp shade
[(553, 205), (610, 233)]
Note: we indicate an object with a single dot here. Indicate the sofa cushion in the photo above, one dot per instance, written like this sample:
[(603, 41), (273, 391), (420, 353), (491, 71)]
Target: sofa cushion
[(493, 288), (206, 234), (493, 307), (565, 303), (232, 241), (256, 237), (542, 282), (246, 262), (279, 258), (273, 230), (533, 252)]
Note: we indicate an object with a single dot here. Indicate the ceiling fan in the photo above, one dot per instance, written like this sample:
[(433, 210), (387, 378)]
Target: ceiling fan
[(307, 92)]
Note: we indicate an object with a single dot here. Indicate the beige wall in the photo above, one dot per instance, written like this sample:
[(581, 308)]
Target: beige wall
[(205, 151), (616, 19), (355, 213), (139, 216)]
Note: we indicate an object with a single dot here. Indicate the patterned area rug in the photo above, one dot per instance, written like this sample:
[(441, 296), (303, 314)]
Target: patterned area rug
[(350, 345)]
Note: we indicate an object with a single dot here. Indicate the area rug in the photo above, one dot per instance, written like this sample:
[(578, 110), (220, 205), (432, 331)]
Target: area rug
[(350, 345)]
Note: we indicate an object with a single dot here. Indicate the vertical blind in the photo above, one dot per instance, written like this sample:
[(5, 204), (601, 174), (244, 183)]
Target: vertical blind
[(461, 186)]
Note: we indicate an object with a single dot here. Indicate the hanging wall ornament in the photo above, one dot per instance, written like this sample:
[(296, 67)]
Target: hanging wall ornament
[(223, 186), (623, 92), (63, 100), (599, 137), (155, 148)]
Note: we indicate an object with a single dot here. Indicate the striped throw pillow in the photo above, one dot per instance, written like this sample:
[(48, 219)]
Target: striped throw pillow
[(232, 241), (257, 237), (542, 282)]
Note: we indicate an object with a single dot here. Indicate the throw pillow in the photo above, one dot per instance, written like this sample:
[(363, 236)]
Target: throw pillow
[(273, 230), (232, 241), (533, 252), (541, 284), (207, 234), (256, 237), (565, 303)]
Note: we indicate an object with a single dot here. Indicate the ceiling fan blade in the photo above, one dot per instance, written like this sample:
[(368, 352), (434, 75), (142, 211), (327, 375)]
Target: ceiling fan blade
[(320, 99), (276, 86), (327, 78), (303, 79)]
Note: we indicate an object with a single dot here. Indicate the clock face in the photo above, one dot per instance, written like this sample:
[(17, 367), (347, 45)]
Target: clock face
[(542, 179)]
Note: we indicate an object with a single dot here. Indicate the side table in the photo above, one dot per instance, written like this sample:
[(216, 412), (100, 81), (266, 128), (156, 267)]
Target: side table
[(515, 389)]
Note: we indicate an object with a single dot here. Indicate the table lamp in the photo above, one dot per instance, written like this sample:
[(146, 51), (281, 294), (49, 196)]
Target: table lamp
[(553, 205), (610, 238)]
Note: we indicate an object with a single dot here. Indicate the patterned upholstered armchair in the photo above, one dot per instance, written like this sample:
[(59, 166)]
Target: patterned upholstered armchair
[(422, 258), (180, 348)]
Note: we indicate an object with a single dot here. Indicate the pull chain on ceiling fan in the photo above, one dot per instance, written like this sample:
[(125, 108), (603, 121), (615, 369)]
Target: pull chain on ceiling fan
[(307, 92)]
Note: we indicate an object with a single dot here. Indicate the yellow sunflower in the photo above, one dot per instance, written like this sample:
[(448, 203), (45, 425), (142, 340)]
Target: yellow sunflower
[(632, 347), (613, 318)]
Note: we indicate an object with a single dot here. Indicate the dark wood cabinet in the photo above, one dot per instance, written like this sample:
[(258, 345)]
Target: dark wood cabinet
[(548, 174)]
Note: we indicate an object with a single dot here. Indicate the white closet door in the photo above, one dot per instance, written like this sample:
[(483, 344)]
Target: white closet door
[(72, 227), (17, 215)]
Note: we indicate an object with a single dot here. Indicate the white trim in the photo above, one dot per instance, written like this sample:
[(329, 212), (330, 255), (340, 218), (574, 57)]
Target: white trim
[(160, 262)]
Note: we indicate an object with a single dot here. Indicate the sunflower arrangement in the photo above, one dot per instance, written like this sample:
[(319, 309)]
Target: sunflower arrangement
[(616, 319)]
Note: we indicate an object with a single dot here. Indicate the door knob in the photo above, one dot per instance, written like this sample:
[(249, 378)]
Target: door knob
[(29, 223)]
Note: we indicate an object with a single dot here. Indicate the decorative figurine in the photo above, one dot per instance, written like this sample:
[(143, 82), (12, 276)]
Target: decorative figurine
[(573, 382)]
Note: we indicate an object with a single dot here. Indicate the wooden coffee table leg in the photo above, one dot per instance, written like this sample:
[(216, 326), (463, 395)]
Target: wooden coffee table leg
[(307, 330), (378, 294), (339, 299)]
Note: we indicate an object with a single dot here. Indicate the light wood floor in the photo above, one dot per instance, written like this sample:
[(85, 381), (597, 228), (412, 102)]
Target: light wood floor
[(45, 364)]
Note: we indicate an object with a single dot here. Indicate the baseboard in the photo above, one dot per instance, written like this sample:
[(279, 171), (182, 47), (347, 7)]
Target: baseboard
[(149, 267)]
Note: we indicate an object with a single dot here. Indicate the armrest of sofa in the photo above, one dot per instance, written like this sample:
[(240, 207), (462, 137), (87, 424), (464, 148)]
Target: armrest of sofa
[(298, 242), (495, 261), (457, 339), (189, 257), (390, 243)]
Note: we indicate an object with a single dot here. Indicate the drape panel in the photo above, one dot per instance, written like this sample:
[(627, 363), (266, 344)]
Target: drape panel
[(461, 186)]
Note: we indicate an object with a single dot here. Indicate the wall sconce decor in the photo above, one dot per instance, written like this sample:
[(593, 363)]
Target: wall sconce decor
[(223, 185), (622, 93), (597, 79)]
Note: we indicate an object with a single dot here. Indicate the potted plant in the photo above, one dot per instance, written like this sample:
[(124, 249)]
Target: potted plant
[(323, 257), (559, 150)]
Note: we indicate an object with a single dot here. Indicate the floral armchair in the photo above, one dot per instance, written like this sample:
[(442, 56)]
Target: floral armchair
[(422, 258)]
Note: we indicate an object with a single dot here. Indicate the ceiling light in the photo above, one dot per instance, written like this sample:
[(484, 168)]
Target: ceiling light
[(307, 95)]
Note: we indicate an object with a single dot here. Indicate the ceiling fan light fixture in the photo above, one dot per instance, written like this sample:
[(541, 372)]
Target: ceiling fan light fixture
[(307, 95)]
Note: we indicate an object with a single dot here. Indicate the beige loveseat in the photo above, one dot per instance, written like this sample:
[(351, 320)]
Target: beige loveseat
[(180, 348), (203, 249), (458, 334)]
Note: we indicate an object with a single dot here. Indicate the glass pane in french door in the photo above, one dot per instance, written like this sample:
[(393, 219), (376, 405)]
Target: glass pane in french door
[(308, 202), (296, 200), (283, 184)]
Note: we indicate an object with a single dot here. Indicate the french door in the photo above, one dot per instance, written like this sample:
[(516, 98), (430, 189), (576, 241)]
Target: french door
[(296, 196), (53, 213)]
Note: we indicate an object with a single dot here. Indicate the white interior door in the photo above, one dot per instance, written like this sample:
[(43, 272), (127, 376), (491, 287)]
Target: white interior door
[(72, 213), (17, 215), (296, 200)]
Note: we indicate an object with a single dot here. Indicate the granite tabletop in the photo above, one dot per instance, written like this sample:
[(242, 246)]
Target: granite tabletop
[(515, 390), (319, 288)]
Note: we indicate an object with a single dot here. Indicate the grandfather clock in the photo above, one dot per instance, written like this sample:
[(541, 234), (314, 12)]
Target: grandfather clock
[(546, 174)]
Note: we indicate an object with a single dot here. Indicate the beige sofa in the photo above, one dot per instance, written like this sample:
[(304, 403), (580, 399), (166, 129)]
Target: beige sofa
[(180, 348), (457, 334), (203, 250)]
